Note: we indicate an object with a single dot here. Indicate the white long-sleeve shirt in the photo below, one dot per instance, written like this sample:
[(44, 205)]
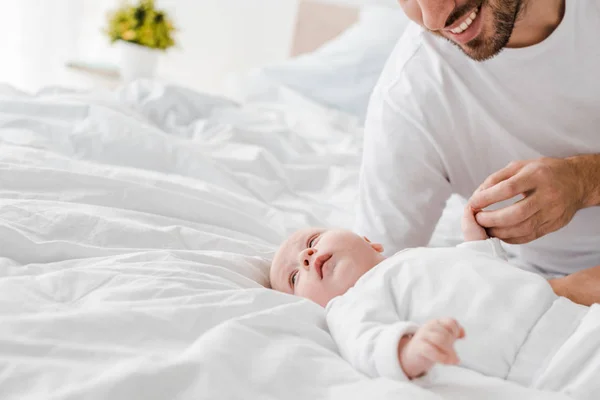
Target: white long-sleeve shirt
[(515, 325), (440, 123)]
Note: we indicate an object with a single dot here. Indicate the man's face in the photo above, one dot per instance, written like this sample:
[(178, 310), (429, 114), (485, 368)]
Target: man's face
[(321, 264), (480, 28)]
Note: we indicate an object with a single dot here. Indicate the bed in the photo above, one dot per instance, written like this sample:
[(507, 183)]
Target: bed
[(136, 232)]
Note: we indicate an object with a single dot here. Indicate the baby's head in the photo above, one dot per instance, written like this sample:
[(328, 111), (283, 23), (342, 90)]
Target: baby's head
[(320, 264)]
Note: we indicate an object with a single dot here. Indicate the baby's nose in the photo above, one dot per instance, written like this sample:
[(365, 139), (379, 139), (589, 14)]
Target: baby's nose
[(305, 257)]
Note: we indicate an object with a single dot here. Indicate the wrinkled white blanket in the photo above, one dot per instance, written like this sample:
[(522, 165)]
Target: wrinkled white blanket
[(136, 230)]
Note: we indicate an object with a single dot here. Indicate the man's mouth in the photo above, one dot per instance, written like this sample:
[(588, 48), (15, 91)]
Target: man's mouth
[(467, 28), (464, 24), (320, 262)]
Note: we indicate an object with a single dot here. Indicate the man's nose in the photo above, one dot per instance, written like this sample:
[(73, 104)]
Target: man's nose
[(305, 257), (435, 13)]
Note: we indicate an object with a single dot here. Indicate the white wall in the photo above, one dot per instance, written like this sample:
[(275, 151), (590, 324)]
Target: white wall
[(221, 37), (34, 36)]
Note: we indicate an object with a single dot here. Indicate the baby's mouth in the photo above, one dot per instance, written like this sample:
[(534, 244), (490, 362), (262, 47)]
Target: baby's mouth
[(320, 262)]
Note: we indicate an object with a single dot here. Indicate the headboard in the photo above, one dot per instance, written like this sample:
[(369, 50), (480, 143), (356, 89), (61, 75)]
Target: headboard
[(318, 22)]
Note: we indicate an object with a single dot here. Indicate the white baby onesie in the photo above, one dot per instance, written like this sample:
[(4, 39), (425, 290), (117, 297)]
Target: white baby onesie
[(516, 327)]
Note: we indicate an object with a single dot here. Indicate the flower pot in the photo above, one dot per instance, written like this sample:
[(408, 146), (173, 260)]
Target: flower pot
[(136, 61)]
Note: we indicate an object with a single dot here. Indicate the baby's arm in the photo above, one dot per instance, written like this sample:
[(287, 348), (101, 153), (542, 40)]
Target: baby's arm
[(371, 336), (472, 231), (476, 237), (367, 331), (432, 343)]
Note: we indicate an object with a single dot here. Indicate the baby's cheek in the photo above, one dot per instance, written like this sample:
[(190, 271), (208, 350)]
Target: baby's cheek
[(318, 293)]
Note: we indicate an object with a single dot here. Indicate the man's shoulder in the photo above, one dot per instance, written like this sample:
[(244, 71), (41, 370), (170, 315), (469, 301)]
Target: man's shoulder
[(408, 48), (415, 67)]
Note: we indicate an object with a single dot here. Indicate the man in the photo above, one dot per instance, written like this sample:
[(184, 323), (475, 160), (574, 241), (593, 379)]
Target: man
[(498, 101)]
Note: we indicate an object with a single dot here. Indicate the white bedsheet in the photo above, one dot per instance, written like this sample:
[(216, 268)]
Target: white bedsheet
[(135, 235)]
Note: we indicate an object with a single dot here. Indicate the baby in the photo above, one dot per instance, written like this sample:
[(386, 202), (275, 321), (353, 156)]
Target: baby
[(398, 317)]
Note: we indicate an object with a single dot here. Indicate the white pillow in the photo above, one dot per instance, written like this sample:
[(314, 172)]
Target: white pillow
[(343, 72)]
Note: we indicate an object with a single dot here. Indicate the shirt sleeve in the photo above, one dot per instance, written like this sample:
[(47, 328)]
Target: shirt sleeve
[(403, 185), (367, 333), (490, 246)]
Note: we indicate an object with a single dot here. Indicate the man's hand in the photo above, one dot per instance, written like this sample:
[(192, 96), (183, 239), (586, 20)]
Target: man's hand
[(553, 191), (432, 343)]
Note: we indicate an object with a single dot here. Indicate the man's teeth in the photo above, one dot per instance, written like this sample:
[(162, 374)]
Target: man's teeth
[(465, 24)]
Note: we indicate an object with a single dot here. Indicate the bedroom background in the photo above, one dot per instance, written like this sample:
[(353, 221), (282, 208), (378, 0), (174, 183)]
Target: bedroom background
[(216, 39)]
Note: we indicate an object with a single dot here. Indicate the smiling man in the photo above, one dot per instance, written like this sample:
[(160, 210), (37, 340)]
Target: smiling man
[(498, 101), (484, 37)]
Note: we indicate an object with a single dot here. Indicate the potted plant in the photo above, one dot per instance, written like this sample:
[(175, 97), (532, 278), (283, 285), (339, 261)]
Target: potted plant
[(141, 32)]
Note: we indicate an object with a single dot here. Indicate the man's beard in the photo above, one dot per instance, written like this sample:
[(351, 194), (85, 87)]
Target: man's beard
[(490, 44)]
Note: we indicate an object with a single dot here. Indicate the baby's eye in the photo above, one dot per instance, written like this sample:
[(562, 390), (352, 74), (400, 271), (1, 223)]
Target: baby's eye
[(294, 278), (312, 241)]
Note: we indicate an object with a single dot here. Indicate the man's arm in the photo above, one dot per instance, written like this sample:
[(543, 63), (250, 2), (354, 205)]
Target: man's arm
[(588, 170), (582, 287), (553, 191), (403, 187)]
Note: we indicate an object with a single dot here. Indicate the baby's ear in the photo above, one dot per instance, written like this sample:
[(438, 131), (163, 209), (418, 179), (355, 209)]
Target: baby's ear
[(376, 246)]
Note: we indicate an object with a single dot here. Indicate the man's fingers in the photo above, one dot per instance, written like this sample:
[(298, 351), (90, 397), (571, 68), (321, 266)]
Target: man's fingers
[(504, 190), (521, 240), (530, 226), (512, 215), (501, 175), (544, 229)]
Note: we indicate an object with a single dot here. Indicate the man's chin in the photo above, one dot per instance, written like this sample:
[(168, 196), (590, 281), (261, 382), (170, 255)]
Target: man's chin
[(493, 38), (480, 55), (479, 49), (476, 49)]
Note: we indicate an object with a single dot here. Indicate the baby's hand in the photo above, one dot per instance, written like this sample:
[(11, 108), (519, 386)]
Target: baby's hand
[(432, 343), (471, 229)]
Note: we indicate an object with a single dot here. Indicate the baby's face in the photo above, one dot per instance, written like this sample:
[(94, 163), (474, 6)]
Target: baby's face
[(321, 264)]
